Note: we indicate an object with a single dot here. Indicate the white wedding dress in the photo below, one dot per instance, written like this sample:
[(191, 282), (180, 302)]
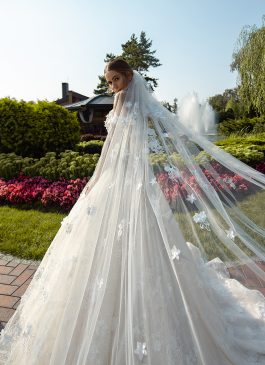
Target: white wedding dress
[(121, 283)]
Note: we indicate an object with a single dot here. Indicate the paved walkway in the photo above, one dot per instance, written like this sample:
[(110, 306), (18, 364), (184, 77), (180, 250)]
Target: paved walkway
[(16, 274)]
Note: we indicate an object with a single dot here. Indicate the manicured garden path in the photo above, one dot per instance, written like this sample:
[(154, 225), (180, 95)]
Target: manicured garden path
[(16, 274)]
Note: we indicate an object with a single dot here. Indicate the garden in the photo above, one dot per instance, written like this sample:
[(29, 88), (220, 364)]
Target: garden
[(45, 164)]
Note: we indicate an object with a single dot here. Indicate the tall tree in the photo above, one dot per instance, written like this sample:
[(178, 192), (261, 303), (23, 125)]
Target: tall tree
[(171, 107), (139, 56), (249, 61), (228, 105)]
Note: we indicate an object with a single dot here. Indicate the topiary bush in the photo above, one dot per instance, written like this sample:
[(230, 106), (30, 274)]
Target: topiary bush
[(89, 147), (33, 129), (69, 164)]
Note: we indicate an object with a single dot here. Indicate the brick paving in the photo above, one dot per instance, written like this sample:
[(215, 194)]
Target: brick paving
[(16, 274)]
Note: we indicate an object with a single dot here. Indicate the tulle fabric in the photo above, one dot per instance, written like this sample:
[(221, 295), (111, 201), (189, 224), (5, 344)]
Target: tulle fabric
[(138, 271)]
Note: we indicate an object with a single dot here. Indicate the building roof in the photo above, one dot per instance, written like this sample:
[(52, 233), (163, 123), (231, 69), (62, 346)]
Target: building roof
[(102, 99)]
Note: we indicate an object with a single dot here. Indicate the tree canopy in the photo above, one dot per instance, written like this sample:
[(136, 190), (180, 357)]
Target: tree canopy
[(139, 56), (249, 61)]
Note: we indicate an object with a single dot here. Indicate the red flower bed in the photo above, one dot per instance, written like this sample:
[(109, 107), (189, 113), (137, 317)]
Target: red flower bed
[(24, 189), (220, 178), (64, 193)]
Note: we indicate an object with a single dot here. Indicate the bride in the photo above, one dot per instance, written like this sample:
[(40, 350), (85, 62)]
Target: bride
[(138, 273)]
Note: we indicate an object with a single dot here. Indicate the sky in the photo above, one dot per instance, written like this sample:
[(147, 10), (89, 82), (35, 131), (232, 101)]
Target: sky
[(47, 42)]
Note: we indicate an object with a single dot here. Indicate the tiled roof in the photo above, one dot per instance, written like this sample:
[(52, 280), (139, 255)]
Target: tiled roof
[(102, 99)]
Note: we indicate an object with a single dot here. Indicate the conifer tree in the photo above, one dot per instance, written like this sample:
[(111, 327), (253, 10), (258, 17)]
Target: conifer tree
[(139, 56)]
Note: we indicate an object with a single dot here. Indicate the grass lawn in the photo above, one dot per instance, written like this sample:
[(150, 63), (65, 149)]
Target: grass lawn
[(27, 233), (252, 206)]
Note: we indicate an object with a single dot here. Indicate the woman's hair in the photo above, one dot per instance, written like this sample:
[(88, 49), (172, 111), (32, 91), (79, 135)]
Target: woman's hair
[(119, 65)]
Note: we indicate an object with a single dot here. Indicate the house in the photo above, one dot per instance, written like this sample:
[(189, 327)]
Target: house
[(91, 111)]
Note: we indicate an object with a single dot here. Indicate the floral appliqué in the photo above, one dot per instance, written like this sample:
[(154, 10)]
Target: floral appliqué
[(68, 226), (230, 234), (191, 198), (91, 210), (202, 220), (173, 172), (140, 350), (229, 181), (175, 252)]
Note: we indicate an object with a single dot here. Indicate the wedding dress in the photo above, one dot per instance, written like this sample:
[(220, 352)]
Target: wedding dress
[(138, 271)]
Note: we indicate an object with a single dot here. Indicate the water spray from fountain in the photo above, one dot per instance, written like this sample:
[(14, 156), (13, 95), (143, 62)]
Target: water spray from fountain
[(198, 117)]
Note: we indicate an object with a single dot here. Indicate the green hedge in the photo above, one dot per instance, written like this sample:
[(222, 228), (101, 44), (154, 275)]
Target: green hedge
[(245, 125), (249, 149), (32, 129), (89, 147), (69, 164)]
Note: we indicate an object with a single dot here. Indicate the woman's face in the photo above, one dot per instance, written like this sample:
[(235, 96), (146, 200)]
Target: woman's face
[(116, 81)]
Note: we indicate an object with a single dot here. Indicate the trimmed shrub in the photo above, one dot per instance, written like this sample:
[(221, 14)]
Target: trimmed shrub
[(244, 125), (33, 129), (89, 147), (69, 164)]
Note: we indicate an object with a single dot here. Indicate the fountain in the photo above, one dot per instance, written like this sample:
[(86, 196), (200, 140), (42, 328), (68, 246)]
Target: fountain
[(198, 117)]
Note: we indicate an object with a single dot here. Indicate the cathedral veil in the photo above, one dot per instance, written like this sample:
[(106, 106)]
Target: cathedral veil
[(138, 272)]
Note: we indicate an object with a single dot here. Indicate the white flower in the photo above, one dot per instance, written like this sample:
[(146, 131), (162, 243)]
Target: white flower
[(191, 198), (173, 171), (230, 182), (120, 229), (68, 226), (230, 234), (140, 350), (100, 283), (175, 252), (201, 218), (153, 181), (91, 210), (139, 186)]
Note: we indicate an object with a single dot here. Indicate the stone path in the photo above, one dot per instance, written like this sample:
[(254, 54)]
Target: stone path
[(16, 274)]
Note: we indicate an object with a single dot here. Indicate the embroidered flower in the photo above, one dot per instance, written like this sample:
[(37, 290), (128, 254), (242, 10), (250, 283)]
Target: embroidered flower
[(175, 252), (91, 210), (140, 350), (139, 185), (230, 234), (229, 181), (201, 219), (100, 283), (120, 229), (173, 172), (66, 224), (153, 181), (165, 134), (191, 198)]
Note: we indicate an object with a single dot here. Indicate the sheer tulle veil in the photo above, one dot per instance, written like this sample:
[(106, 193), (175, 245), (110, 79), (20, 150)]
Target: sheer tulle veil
[(209, 191), (138, 273)]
